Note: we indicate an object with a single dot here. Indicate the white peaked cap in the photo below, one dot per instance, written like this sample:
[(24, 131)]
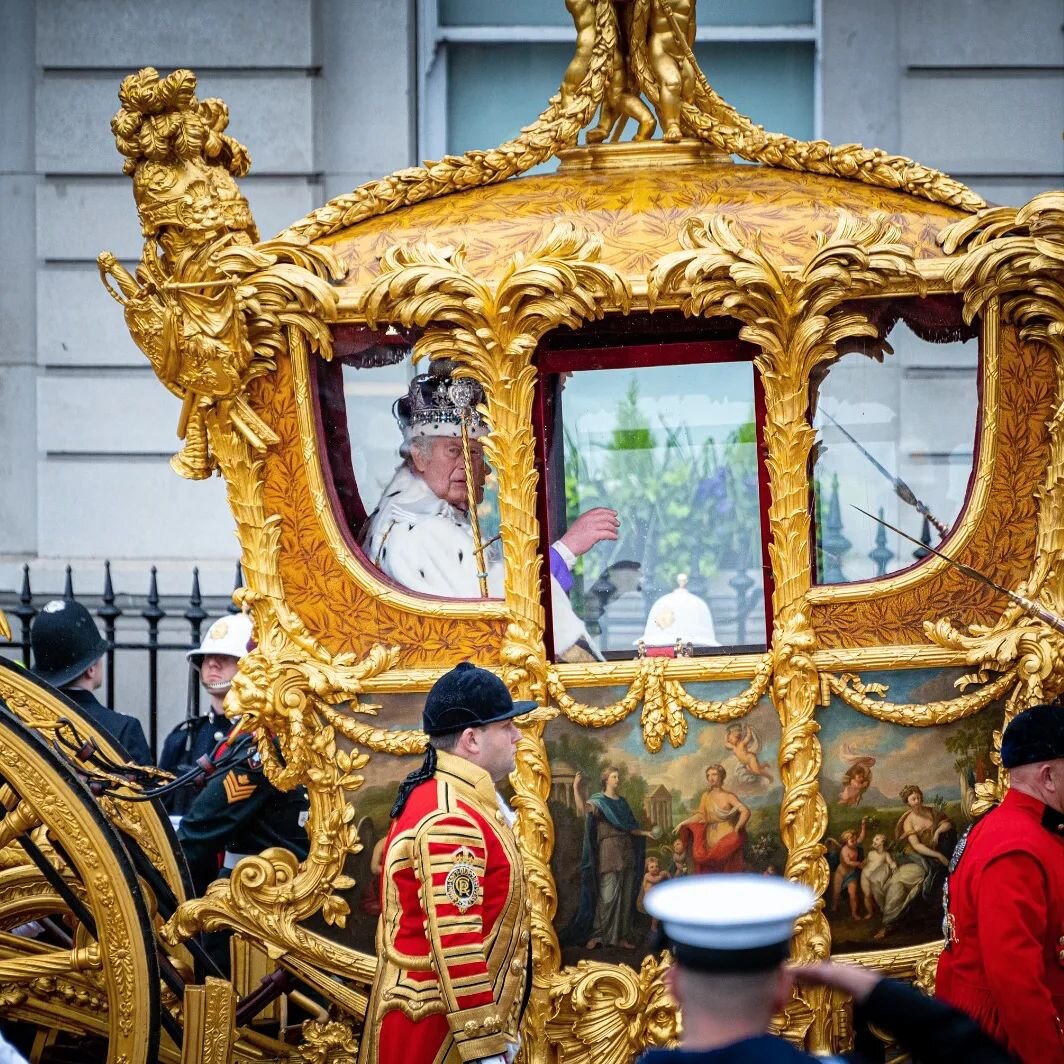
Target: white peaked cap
[(229, 635), (728, 912), (679, 615)]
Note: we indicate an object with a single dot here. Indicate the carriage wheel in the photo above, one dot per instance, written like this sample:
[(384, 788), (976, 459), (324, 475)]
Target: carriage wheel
[(90, 968)]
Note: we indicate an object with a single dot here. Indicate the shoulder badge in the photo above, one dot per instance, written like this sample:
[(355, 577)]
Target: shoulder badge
[(238, 787), (462, 885)]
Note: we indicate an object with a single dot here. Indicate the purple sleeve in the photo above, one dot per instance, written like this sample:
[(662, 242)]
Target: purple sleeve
[(560, 571)]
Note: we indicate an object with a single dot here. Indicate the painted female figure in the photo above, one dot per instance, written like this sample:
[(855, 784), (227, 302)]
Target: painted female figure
[(611, 867), (716, 833), (929, 837)]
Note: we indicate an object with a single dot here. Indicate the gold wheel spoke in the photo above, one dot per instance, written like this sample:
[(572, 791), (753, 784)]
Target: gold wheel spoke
[(23, 959)]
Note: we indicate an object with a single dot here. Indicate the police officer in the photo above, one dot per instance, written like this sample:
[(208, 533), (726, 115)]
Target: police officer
[(226, 642), (68, 653), (454, 929), (730, 936), (1004, 958)]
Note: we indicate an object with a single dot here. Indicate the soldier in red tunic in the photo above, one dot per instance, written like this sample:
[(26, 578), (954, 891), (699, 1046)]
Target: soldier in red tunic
[(453, 937), (1004, 958)]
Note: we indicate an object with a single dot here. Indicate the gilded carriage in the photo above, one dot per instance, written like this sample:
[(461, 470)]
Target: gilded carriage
[(712, 334)]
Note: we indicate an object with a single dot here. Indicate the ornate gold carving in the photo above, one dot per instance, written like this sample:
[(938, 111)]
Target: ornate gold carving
[(328, 1043), (207, 308), (209, 1018), (285, 691), (866, 699), (701, 112), (491, 330), (40, 711), (535, 835), (212, 312), (123, 950), (1014, 259), (556, 128), (793, 315), (606, 1012), (664, 702), (601, 73)]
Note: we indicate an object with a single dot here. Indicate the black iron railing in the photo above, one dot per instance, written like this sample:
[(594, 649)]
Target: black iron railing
[(152, 608)]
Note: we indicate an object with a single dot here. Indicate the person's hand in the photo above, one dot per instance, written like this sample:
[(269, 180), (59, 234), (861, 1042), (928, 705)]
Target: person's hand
[(497, 1058), (851, 979), (590, 528)]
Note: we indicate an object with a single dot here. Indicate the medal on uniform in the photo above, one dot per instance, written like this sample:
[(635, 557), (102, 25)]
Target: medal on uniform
[(462, 885)]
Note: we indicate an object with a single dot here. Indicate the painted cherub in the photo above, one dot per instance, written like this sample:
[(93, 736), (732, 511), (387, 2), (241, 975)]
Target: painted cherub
[(745, 744), (653, 874), (857, 778), (848, 873), (879, 866), (681, 861)]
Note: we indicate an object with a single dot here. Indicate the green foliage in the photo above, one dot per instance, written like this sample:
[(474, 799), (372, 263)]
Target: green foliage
[(972, 740), (587, 754), (695, 507)]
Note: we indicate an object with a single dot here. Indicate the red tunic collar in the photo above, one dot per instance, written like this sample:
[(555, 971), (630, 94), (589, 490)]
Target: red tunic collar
[(1050, 819)]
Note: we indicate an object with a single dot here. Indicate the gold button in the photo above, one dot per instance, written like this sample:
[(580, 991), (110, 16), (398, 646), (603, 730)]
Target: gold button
[(517, 966), (500, 818)]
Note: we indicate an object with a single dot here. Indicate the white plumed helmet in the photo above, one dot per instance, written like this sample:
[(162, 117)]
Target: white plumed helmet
[(229, 635)]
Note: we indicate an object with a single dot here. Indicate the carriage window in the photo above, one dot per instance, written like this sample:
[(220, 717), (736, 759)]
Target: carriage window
[(896, 437), (654, 501), (399, 441)]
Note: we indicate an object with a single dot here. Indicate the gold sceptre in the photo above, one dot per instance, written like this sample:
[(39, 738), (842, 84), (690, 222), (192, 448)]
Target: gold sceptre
[(471, 495)]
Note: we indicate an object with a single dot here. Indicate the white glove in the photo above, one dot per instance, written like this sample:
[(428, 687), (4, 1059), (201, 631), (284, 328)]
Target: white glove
[(512, 1050), (498, 1058)]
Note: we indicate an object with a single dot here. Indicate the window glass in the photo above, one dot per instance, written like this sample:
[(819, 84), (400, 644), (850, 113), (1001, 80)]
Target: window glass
[(779, 96), (553, 13), (495, 89), (398, 466), (896, 437), (672, 449)]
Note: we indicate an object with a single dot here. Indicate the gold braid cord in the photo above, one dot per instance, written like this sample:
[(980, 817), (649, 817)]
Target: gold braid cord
[(796, 318), (664, 702), (866, 699), (208, 307)]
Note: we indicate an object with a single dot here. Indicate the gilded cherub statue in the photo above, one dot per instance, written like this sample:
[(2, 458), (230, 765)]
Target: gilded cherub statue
[(209, 306), (646, 48)]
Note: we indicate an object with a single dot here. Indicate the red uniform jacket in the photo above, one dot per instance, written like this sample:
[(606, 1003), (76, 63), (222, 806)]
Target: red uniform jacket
[(1005, 966), (452, 941)]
